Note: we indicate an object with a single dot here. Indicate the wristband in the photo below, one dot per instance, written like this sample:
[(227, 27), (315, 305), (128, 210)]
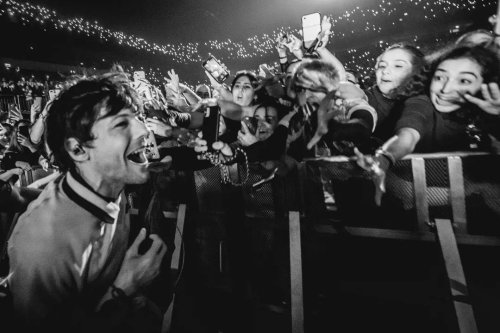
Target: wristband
[(389, 156)]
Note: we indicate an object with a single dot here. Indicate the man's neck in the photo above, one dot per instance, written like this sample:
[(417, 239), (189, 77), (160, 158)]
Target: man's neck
[(105, 190)]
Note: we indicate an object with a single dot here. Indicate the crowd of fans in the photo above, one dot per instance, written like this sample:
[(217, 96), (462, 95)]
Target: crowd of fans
[(313, 106)]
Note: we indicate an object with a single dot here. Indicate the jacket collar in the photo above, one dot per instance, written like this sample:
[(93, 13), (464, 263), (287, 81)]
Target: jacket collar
[(88, 199)]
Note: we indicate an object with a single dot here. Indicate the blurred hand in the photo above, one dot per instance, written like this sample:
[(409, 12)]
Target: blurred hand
[(245, 137), (221, 149), (23, 165), (327, 111), (44, 163), (490, 103), (26, 142), (9, 173), (294, 44), (324, 35), (377, 174), (138, 271), (163, 165), (158, 127), (213, 82), (173, 81), (281, 46)]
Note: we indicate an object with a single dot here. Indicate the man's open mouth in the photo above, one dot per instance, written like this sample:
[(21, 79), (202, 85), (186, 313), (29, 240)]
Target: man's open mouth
[(138, 156)]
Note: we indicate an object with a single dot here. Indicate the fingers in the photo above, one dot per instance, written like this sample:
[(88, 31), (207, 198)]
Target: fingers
[(200, 145), (244, 128), (134, 248), (315, 139), (474, 100), (226, 150), (158, 247), (495, 91)]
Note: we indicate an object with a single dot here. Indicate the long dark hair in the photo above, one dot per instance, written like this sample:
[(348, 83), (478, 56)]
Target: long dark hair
[(483, 56)]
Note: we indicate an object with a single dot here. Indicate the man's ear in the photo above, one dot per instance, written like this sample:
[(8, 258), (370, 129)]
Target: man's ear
[(76, 151)]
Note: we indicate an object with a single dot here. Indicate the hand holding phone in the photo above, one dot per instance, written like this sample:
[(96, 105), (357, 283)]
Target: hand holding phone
[(216, 69), (311, 27), (252, 124)]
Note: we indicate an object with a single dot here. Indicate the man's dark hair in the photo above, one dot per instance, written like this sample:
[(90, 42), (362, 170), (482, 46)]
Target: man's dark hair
[(78, 107)]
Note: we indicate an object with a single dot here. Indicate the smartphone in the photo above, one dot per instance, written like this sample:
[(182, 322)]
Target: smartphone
[(252, 124), (210, 128), (311, 27), (24, 130), (215, 69), (53, 93)]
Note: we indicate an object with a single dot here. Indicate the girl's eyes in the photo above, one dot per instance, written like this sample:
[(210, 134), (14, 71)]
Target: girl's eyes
[(465, 81)]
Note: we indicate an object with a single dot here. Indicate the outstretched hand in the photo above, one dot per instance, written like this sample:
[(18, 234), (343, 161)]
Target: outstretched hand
[(377, 174)]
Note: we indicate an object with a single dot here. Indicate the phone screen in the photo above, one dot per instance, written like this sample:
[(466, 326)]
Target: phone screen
[(214, 68), (24, 130), (311, 27)]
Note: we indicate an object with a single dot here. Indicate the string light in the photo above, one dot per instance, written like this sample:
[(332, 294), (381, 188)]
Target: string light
[(381, 19)]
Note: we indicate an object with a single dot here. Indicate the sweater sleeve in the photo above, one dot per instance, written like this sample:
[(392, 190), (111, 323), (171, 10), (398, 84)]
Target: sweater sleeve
[(417, 114)]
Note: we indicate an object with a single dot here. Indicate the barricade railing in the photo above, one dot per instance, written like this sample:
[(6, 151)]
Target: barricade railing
[(463, 187), (445, 197), (449, 198)]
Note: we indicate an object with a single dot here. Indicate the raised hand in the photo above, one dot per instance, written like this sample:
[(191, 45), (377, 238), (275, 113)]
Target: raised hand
[(173, 81), (324, 35), (490, 103), (295, 46), (245, 137), (327, 111)]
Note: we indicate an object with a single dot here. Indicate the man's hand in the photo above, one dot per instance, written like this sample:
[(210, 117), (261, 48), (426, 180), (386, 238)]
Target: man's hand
[(138, 271), (491, 99)]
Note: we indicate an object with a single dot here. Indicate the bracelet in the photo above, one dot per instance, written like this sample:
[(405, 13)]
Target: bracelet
[(389, 156)]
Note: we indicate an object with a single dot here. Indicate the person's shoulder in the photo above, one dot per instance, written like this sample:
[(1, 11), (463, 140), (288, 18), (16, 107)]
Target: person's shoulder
[(43, 214), (421, 99)]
